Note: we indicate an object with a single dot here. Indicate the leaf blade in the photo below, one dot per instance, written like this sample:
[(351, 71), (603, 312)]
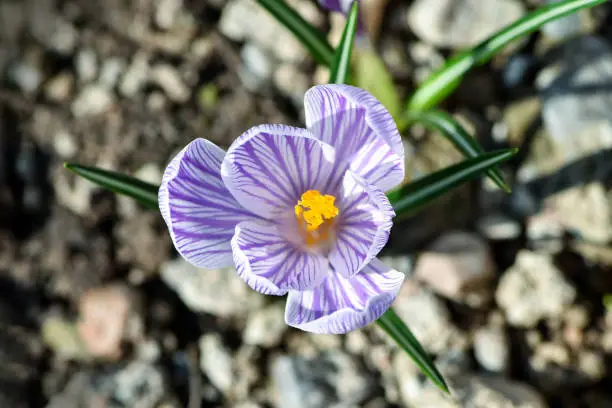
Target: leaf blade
[(459, 137), (308, 35), (444, 81), (342, 58), (414, 196), (145, 193), (395, 327)]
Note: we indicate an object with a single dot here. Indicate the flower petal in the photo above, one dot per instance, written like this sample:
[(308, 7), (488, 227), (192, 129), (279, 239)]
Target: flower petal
[(200, 212), (272, 265), (363, 229), (341, 305), (360, 129), (269, 167)]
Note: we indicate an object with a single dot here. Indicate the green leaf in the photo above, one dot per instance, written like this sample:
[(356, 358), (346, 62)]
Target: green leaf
[(458, 136), (372, 75), (145, 193), (342, 59), (414, 196), (391, 323), (309, 36), (443, 82)]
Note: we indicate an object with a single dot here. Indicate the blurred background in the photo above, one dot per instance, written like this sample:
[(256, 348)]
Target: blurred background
[(510, 293)]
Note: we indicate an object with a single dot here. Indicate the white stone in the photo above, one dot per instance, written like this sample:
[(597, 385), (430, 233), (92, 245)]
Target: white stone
[(265, 327), (167, 77), (533, 289), (86, 65), (216, 361), (93, 100)]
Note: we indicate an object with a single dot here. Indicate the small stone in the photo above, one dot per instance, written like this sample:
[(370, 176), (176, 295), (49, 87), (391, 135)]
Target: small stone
[(216, 291), (258, 67), (27, 76), (59, 88), (93, 100), (167, 12), (563, 28), (265, 327), (461, 23), (111, 71), (245, 20), (216, 361), (202, 48), (65, 144), (149, 172), (170, 81), (64, 37), (329, 379), (491, 348), (63, 338), (103, 316), (533, 289), (427, 317), (518, 70), (499, 227), (138, 385), (426, 60), (459, 266), (291, 82), (136, 76), (86, 65)]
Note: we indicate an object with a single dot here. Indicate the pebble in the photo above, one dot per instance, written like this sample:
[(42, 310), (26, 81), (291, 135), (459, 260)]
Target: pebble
[(291, 82), (93, 100), (168, 78), (103, 317), (59, 88), (257, 67), (64, 144), (167, 12), (111, 71), (499, 227), (491, 348), (461, 23), (459, 266), (26, 75), (216, 291), (245, 20), (265, 327), (563, 28), (216, 361), (63, 338), (533, 289), (136, 76), (329, 379), (427, 317), (86, 65)]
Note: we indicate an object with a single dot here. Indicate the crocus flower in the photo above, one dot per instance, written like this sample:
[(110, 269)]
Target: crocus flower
[(297, 211)]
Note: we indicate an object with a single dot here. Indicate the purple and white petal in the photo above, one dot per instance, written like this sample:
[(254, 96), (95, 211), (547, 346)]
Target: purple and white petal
[(200, 212), (269, 167), (366, 218), (341, 305), (360, 129), (272, 265)]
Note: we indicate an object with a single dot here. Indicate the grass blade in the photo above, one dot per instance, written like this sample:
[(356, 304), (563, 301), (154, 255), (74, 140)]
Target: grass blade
[(443, 82), (145, 193), (309, 36), (414, 196), (459, 137), (391, 323), (342, 59)]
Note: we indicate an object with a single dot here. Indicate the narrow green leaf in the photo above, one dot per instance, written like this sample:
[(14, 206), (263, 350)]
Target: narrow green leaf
[(414, 196), (308, 35), (458, 136), (443, 82), (342, 59), (391, 323), (145, 193)]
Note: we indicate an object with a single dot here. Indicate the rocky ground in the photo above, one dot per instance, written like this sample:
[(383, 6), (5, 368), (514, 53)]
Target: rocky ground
[(509, 293)]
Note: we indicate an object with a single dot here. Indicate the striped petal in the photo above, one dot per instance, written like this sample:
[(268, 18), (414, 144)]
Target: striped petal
[(364, 226), (270, 264), (200, 212), (269, 167), (341, 305), (360, 129)]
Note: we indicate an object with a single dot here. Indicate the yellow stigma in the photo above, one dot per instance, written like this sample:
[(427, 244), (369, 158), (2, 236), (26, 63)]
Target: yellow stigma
[(314, 208)]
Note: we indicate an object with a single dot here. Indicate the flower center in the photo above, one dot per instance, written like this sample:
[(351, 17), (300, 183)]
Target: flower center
[(314, 208), (314, 213)]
